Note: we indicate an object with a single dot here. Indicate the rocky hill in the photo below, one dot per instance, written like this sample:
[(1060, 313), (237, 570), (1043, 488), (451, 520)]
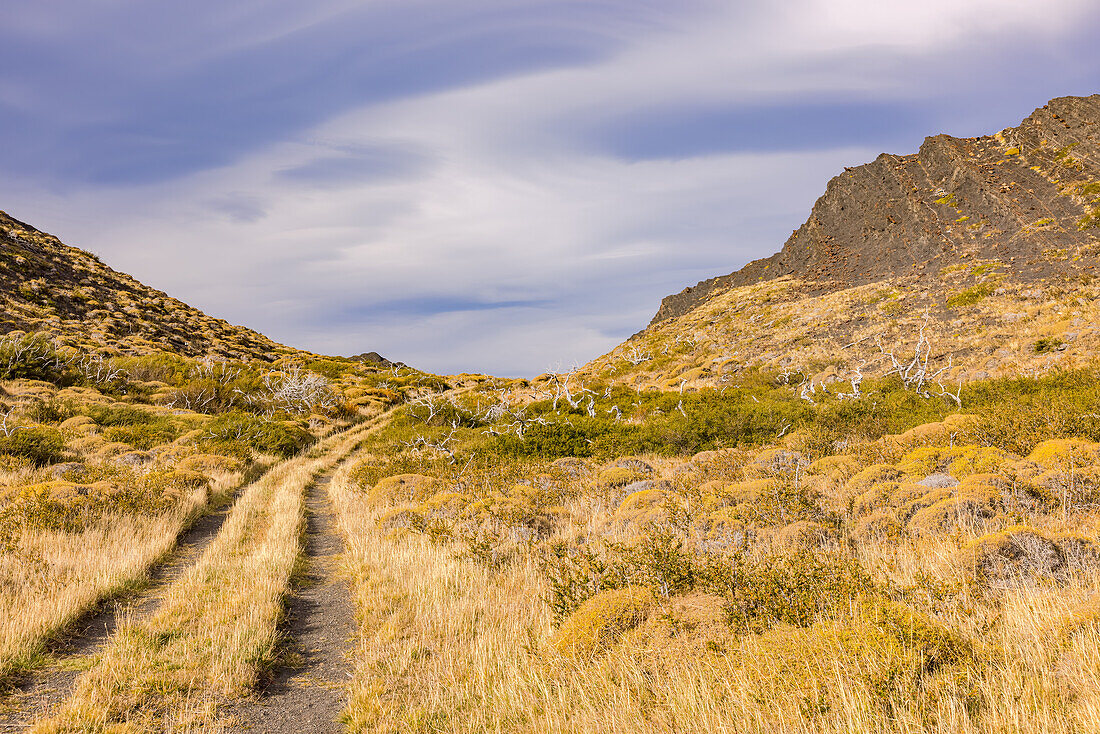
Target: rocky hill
[(69, 293), (982, 250), (1015, 197)]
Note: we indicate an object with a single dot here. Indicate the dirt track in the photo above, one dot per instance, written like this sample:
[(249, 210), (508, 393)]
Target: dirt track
[(44, 689), (309, 690)]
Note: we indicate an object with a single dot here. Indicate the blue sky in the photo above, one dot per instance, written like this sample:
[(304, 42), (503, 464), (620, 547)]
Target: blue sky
[(484, 185)]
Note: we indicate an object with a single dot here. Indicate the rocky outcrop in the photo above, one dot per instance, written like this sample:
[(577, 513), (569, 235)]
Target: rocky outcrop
[(1015, 196)]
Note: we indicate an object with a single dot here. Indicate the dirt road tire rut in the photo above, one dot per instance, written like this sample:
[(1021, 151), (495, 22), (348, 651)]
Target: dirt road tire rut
[(44, 689), (309, 692)]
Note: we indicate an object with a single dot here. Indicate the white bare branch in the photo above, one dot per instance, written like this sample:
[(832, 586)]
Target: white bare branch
[(636, 356), (299, 391)]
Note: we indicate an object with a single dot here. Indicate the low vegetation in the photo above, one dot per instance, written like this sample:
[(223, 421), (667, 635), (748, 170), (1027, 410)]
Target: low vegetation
[(742, 560)]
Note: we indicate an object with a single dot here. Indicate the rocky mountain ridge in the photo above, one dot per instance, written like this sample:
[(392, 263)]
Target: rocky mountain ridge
[(1014, 197)]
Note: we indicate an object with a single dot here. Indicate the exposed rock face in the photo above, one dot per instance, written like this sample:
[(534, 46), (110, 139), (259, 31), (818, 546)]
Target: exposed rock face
[(372, 358), (1012, 196), (48, 286)]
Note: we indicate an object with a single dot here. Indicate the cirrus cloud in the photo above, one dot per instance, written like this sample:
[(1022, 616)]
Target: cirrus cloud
[(496, 186)]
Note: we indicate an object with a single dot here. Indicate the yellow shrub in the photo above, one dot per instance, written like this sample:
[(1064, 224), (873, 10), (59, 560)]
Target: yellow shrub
[(689, 627), (922, 461), (907, 492), (724, 528), (1062, 452), (78, 424), (1014, 552), (877, 527), (600, 622), (836, 468), (829, 661), (618, 476), (206, 463), (402, 489), (773, 461), (649, 505), (110, 450), (192, 436), (445, 502), (401, 518), (961, 423), (571, 467), (967, 460), (804, 535), (750, 491), (923, 434), (188, 478), (934, 644), (871, 476), (88, 444), (1086, 616), (945, 514)]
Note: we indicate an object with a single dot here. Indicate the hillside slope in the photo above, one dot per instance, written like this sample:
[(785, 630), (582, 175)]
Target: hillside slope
[(69, 293), (1013, 196), (981, 250)]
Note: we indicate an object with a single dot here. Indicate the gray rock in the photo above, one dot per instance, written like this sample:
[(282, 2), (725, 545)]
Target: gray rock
[(939, 481), (134, 458), (60, 470)]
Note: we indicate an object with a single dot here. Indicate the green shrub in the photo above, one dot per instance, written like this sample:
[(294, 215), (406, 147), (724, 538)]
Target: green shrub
[(796, 589), (133, 425), (970, 296), (238, 434), (119, 414), (144, 436), (1018, 413), (30, 356), (37, 444), (50, 411), (330, 368), (658, 562), (1047, 345)]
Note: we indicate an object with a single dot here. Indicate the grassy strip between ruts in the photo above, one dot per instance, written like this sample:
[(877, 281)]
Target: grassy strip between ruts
[(217, 627)]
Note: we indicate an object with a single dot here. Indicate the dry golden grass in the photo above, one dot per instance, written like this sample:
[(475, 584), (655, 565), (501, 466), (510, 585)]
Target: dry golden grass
[(217, 626), (449, 645), (782, 324), (55, 577)]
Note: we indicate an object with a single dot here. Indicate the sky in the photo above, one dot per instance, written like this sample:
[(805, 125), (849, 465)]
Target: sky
[(502, 186)]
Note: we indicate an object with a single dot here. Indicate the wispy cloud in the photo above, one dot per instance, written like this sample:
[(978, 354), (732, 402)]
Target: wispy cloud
[(484, 185)]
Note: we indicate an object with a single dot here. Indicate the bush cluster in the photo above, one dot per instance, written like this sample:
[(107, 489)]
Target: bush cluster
[(796, 589), (103, 492), (238, 434)]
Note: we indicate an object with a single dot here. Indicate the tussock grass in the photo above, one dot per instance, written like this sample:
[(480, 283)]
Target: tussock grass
[(216, 630)]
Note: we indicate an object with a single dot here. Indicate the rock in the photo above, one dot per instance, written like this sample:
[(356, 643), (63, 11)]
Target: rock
[(134, 458), (868, 226), (58, 471), (938, 481)]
